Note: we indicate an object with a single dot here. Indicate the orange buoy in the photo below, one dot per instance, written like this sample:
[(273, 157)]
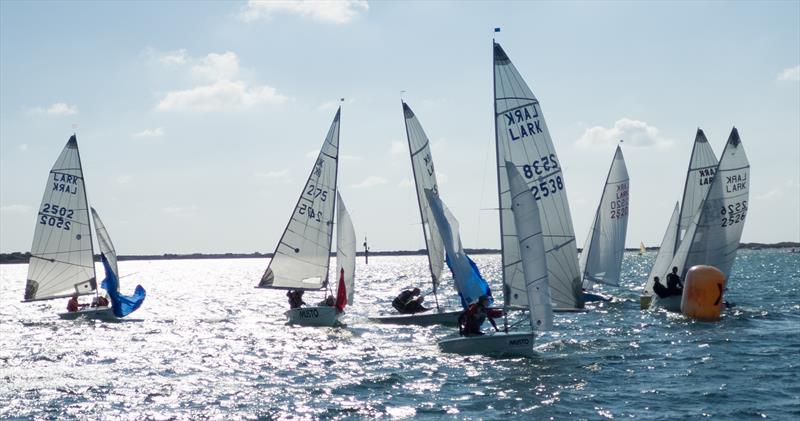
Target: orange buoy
[(702, 293)]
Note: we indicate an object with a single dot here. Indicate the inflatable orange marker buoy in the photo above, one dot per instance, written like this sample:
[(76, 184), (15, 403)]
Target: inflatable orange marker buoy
[(702, 293)]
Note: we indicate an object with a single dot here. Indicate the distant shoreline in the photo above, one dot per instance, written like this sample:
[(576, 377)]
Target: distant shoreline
[(17, 257)]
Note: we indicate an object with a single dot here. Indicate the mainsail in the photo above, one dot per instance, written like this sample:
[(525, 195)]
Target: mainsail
[(601, 258), (62, 258), (702, 167), (523, 139), (713, 237), (345, 248), (665, 252), (302, 256), (468, 280), (531, 243), (425, 178)]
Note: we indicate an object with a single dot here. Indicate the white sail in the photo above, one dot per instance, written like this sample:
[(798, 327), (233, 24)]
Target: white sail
[(702, 166), (714, 235), (523, 139), (665, 252), (642, 248), (531, 245), (601, 258), (104, 240), (425, 178), (62, 258), (302, 256), (345, 248)]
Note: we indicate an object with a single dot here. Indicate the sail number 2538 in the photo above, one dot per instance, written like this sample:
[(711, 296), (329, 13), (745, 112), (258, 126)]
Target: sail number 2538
[(56, 216)]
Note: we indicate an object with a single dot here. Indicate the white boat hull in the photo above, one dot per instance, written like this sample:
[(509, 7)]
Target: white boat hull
[(313, 316), (101, 313), (446, 318), (499, 344), (672, 303)]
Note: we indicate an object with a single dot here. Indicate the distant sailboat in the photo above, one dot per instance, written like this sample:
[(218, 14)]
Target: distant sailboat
[(302, 256), (642, 249), (601, 258), (62, 254), (713, 236), (440, 230), (699, 176), (540, 265)]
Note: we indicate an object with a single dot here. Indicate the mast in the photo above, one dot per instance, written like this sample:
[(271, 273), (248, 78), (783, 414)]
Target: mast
[(506, 291), (419, 206), (683, 197), (88, 217), (335, 191)]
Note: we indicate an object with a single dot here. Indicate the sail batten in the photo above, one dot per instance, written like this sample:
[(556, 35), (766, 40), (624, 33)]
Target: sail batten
[(302, 255)]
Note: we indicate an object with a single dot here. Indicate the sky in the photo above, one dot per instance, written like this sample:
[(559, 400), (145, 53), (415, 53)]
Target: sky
[(198, 122)]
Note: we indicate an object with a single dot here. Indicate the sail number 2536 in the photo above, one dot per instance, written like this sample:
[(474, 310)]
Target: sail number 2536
[(56, 216)]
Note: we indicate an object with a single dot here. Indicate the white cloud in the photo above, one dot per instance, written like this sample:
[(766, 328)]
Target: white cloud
[(405, 183), (15, 209), (398, 148), (124, 179), (772, 194), (370, 181), (792, 73), (157, 132), (215, 66), (222, 95), (23, 147), (328, 11), (168, 58), (274, 174), (59, 108), (633, 132)]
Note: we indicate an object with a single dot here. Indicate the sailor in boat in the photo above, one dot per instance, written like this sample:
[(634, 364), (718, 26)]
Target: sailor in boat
[(100, 301), (674, 284), (295, 298), (409, 302), (73, 305), (471, 320), (328, 302)]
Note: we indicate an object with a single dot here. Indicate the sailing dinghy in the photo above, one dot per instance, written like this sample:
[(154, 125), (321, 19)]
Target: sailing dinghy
[(302, 256), (442, 241), (713, 236), (62, 254), (534, 273), (601, 258)]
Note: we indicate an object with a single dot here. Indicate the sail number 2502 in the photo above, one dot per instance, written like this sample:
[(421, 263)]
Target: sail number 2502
[(56, 216)]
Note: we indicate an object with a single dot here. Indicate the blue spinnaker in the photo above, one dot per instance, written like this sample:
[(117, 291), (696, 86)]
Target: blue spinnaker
[(122, 305), (471, 287)]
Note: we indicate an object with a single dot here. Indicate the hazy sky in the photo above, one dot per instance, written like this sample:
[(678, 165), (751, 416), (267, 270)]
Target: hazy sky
[(198, 122)]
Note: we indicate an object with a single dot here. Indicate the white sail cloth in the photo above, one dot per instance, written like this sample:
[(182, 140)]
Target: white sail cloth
[(345, 248), (714, 235), (523, 139), (62, 258), (601, 258), (104, 240), (425, 178), (665, 253), (302, 256), (531, 245)]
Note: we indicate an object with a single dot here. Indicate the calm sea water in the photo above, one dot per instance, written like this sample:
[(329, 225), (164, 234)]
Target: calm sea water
[(206, 344)]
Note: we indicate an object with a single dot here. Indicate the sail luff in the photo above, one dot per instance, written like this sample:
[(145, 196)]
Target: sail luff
[(300, 261), (104, 241), (503, 273), (86, 201), (666, 251), (430, 231)]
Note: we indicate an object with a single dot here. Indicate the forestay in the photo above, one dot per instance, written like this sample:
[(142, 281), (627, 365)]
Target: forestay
[(713, 237), (531, 242), (601, 258), (468, 281), (523, 139), (665, 252), (702, 167), (425, 178), (302, 256), (104, 240), (345, 248), (62, 258)]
